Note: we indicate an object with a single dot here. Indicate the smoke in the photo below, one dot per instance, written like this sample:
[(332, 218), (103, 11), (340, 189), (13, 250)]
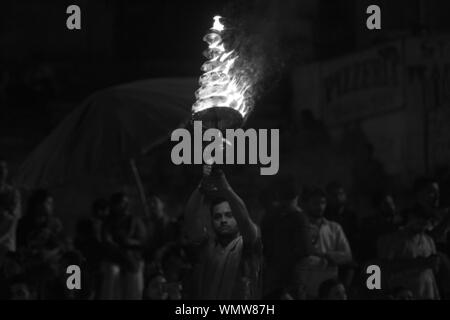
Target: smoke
[(255, 29)]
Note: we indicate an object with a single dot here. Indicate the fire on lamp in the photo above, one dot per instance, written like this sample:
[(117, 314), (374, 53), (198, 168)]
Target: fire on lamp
[(222, 102)]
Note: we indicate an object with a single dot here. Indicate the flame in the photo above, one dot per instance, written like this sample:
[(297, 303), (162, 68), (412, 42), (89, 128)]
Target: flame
[(220, 84)]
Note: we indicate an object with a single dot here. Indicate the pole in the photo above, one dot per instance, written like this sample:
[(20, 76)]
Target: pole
[(139, 187)]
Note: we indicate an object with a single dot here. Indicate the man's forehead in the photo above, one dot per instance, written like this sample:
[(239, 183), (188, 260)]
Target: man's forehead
[(222, 207)]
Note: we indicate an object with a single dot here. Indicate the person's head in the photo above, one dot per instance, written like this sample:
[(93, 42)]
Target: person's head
[(174, 262), (332, 289), (336, 195), (418, 221), (119, 204), (287, 190), (100, 208), (402, 293), (3, 170), (156, 287), (315, 202), (427, 193), (41, 204), (20, 288), (223, 222), (385, 204)]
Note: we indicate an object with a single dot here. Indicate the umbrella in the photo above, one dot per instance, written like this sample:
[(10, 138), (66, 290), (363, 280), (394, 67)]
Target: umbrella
[(111, 126)]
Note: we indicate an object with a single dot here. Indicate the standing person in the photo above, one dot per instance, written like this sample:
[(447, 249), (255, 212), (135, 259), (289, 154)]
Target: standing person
[(338, 210), (125, 238), (11, 212), (161, 228), (228, 260), (331, 249), (385, 220), (90, 240), (410, 257), (286, 238), (40, 235)]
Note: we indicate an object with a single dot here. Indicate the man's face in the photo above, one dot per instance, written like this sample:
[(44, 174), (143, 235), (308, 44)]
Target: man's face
[(338, 197), (155, 289), (317, 206), (429, 196), (3, 170), (121, 208), (223, 221)]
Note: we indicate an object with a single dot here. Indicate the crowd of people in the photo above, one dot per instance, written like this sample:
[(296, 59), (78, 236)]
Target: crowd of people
[(309, 244)]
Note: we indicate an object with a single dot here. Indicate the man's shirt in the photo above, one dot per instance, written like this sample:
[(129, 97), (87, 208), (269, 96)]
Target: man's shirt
[(329, 237), (230, 272), (403, 245)]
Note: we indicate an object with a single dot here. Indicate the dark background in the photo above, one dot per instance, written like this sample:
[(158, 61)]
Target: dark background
[(122, 41)]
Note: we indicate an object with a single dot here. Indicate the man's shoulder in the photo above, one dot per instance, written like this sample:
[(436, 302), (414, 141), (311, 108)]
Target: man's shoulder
[(334, 225)]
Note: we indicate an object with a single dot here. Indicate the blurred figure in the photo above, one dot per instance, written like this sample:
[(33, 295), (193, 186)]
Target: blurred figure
[(338, 210), (402, 293), (332, 289), (125, 238), (40, 228), (384, 221), (10, 266), (90, 240), (331, 249), (40, 235), (20, 288), (156, 288), (10, 211), (227, 260), (161, 228), (285, 236), (410, 257)]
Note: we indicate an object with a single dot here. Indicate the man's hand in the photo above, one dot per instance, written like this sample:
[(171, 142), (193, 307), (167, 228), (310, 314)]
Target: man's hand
[(216, 185)]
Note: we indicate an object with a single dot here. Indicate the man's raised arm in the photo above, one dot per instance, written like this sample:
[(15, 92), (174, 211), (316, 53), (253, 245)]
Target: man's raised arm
[(195, 220)]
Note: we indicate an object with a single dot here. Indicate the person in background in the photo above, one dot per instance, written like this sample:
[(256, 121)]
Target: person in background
[(20, 288), (409, 257), (331, 249), (228, 260), (402, 293), (332, 289), (125, 237), (385, 220), (90, 241), (10, 213), (161, 228), (156, 287), (40, 229), (286, 239), (338, 210)]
